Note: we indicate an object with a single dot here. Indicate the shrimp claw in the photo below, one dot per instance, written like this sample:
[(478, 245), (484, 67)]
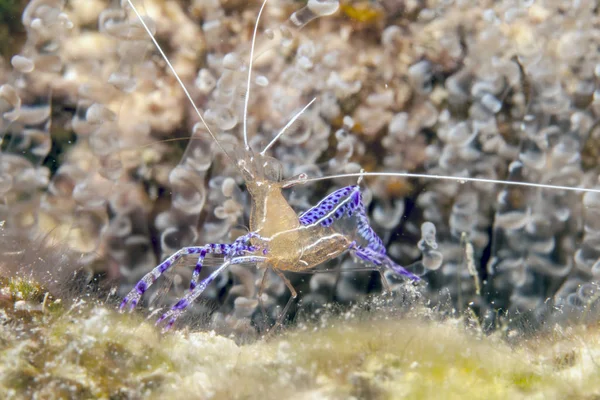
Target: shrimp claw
[(347, 202)]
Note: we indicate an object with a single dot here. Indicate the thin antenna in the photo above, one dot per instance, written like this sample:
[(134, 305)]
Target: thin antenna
[(250, 75), (164, 56), (290, 123), (443, 177)]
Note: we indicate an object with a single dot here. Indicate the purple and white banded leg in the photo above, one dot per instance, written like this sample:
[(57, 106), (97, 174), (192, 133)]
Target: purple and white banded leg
[(178, 308), (344, 202), (140, 288), (239, 247), (347, 202), (380, 259)]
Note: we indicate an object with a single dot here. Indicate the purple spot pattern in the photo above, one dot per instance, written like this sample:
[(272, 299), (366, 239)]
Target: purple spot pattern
[(333, 207), (326, 206), (240, 247), (141, 287), (189, 298), (380, 259)]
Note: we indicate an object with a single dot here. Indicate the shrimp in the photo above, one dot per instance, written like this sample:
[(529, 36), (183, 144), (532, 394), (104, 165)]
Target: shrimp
[(279, 238)]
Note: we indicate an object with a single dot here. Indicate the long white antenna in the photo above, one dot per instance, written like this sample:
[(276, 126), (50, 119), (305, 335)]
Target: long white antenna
[(442, 177), (250, 75), (282, 131), (164, 56)]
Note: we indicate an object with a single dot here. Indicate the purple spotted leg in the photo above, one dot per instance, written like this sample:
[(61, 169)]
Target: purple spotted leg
[(140, 288), (347, 202), (189, 298), (238, 247), (344, 202), (381, 259)]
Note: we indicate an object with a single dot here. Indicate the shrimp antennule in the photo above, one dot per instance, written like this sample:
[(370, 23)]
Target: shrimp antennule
[(164, 56), (290, 123), (247, 99)]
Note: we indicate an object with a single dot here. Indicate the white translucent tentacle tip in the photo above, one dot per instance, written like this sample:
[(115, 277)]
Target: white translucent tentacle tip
[(323, 7)]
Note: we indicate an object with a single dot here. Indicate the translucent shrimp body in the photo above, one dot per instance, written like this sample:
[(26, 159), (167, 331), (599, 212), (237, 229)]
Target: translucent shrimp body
[(282, 240), (279, 238), (292, 245)]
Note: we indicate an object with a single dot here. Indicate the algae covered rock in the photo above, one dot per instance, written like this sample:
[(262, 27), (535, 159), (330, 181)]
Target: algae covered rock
[(89, 350)]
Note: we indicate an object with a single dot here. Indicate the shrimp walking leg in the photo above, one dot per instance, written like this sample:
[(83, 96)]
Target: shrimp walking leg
[(344, 202), (140, 288), (347, 202), (238, 247), (178, 308), (261, 290), (380, 259), (293, 295)]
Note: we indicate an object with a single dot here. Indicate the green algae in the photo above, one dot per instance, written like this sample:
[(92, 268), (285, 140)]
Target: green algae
[(24, 289), (89, 350)]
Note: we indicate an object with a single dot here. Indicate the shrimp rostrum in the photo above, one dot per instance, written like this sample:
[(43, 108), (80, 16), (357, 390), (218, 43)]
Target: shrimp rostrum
[(279, 238)]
